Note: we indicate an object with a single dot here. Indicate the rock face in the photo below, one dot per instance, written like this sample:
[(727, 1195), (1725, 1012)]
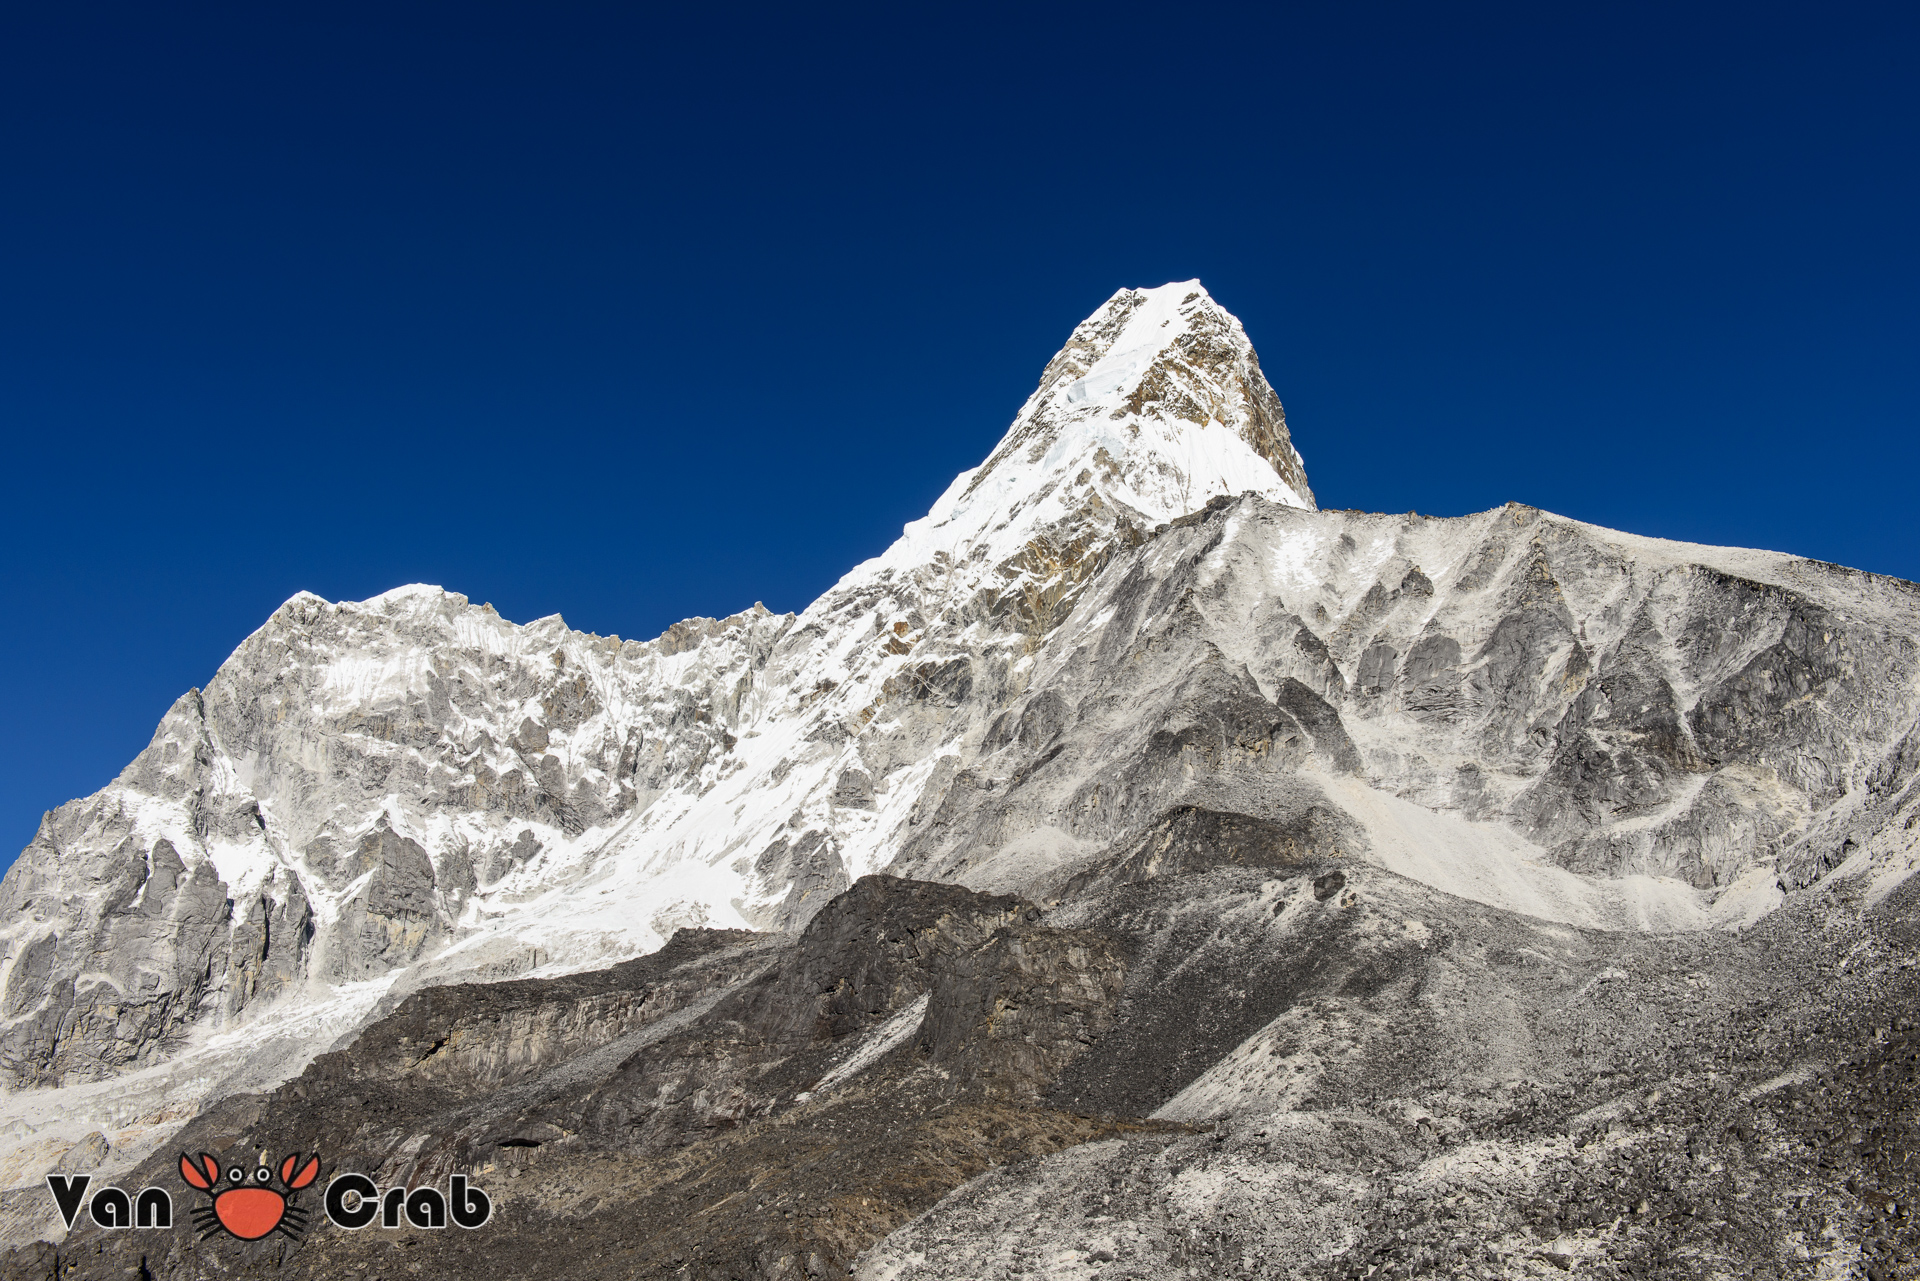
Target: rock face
[(902, 1042), (1620, 708), (1209, 804), (353, 781), (1411, 1086), (1317, 1070)]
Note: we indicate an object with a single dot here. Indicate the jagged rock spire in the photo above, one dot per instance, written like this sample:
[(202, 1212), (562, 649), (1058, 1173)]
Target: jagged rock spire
[(1155, 406)]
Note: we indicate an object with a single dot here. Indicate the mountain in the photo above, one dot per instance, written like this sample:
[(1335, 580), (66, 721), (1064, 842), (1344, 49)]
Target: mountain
[(1375, 839), (410, 787)]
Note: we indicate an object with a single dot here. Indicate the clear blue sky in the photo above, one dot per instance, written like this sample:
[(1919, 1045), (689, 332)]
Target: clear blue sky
[(633, 313)]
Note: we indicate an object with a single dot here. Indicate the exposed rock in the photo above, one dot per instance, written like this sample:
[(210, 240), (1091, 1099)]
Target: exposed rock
[(658, 1115), (85, 1156), (394, 916), (1281, 1072)]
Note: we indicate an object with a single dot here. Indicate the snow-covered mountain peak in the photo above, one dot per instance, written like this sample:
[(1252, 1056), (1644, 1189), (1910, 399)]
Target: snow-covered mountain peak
[(1155, 406), (405, 592), (1111, 350)]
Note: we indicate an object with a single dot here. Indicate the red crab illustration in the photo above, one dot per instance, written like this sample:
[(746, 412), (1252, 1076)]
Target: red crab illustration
[(249, 1208)]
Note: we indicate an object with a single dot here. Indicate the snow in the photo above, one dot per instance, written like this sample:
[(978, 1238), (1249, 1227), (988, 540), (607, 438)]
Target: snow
[(405, 594), (1155, 467), (1490, 863), (139, 1111), (877, 1042)]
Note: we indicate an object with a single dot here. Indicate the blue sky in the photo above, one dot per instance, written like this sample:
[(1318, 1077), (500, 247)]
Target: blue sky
[(632, 315)]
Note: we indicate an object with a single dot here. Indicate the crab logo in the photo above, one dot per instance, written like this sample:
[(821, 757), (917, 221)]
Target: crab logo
[(250, 1206)]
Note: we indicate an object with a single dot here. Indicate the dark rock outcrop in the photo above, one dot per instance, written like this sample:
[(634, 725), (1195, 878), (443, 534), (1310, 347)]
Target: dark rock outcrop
[(670, 1112), (1293, 1070)]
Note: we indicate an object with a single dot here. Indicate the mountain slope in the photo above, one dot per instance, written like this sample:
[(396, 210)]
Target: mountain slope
[(1326, 1070)]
